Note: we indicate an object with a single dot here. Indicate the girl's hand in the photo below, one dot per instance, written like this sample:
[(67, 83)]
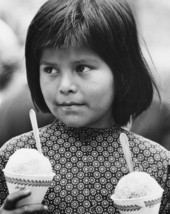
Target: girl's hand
[(9, 206)]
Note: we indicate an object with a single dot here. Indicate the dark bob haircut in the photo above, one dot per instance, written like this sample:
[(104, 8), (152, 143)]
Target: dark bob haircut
[(107, 27)]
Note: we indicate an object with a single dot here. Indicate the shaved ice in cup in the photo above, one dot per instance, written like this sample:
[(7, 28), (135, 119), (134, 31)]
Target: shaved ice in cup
[(137, 193), (28, 169)]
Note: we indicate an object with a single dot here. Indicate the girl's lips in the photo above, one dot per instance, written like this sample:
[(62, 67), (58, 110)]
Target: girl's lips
[(70, 104), (71, 107)]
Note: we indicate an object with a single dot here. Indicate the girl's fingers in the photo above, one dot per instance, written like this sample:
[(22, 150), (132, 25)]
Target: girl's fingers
[(12, 199), (30, 209)]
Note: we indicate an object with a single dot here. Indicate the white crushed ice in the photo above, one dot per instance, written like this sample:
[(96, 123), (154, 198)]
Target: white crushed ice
[(28, 162)]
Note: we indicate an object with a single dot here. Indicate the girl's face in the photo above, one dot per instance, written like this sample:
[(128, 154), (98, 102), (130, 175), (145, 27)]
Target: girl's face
[(78, 87)]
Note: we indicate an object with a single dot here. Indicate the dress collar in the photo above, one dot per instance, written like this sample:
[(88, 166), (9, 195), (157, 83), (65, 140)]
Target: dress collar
[(57, 124)]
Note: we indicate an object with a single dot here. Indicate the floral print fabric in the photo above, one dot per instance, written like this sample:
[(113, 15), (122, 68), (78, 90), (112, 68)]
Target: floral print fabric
[(88, 163)]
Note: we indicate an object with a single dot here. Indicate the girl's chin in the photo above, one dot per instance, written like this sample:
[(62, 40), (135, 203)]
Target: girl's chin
[(73, 124)]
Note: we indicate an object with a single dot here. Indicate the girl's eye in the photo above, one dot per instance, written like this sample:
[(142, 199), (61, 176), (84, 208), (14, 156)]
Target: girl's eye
[(82, 68), (50, 70)]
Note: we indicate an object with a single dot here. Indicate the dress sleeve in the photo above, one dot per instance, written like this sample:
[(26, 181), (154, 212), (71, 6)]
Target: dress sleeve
[(165, 205), (3, 186)]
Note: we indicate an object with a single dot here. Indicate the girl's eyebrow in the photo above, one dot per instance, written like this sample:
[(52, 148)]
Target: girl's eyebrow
[(87, 60), (48, 63), (43, 62)]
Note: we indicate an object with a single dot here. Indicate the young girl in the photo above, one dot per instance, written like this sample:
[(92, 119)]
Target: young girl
[(85, 66)]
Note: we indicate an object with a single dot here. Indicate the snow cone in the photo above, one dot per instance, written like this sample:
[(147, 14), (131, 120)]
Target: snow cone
[(137, 193), (28, 169)]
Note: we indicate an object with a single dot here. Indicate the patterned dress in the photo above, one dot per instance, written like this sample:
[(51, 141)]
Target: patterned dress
[(88, 163)]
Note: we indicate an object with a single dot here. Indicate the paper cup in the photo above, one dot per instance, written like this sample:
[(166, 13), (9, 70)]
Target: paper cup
[(38, 185), (143, 205)]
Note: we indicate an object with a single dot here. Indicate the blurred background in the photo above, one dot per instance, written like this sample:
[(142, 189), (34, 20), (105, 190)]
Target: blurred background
[(153, 19)]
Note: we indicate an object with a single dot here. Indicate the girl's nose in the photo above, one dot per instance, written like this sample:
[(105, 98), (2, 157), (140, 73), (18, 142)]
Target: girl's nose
[(67, 84)]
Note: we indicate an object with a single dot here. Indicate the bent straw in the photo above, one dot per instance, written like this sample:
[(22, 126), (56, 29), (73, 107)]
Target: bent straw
[(125, 145), (35, 129)]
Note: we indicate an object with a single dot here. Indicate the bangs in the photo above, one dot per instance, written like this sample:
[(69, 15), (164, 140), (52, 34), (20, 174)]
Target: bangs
[(73, 36), (64, 26)]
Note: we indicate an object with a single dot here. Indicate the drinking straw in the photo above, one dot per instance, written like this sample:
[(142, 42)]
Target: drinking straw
[(35, 129), (126, 149)]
